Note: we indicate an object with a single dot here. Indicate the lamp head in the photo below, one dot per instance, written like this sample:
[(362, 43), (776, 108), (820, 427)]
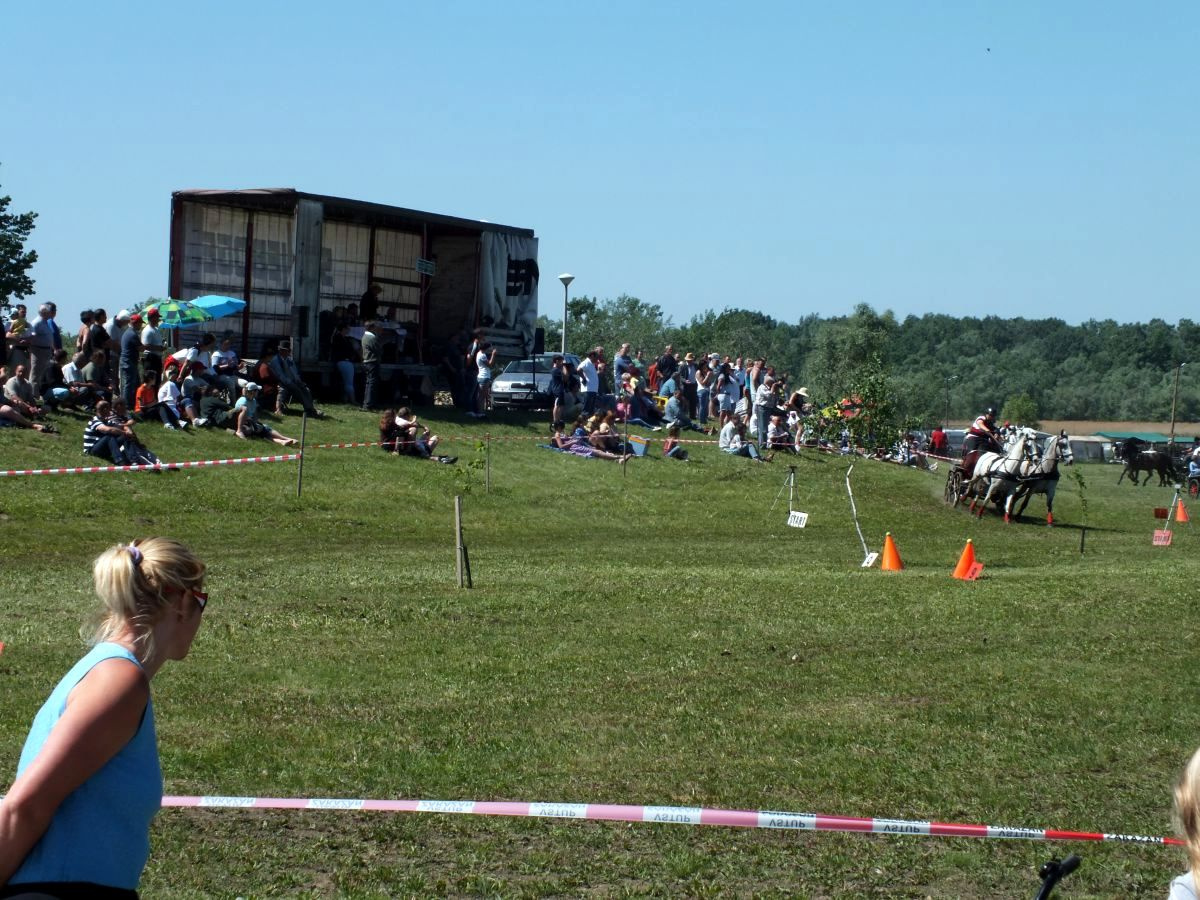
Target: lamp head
[(566, 278)]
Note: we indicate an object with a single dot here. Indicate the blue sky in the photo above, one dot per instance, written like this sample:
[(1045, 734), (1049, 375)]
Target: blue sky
[(1015, 159)]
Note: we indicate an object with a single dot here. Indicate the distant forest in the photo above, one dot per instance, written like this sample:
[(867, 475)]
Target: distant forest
[(930, 367)]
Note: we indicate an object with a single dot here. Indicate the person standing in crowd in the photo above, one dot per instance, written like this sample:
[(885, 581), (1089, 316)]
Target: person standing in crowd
[(131, 348), (99, 338), (344, 355), (485, 358), (371, 360), (117, 327), (152, 342), (704, 380), (368, 305), (42, 337), (16, 337), (622, 363), (591, 381), (666, 365), (83, 340), (764, 406), (76, 822)]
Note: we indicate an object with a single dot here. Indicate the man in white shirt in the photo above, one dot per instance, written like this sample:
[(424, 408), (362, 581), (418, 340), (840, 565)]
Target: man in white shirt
[(152, 342), (591, 381), (764, 402)]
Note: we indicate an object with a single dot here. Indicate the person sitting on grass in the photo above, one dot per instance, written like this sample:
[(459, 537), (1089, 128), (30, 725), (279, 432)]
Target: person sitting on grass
[(18, 392), (105, 440), (95, 376), (676, 413), (215, 410), (57, 391), (733, 440), (778, 437), (1187, 823), (246, 421), (11, 418), (146, 402), (581, 446), (672, 449), (287, 374), (402, 435), (137, 452), (180, 405)]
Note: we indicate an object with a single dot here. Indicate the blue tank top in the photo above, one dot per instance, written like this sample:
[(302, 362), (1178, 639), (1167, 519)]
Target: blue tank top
[(101, 832)]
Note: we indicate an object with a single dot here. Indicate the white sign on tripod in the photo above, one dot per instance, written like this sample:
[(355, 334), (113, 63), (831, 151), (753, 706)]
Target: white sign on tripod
[(797, 519), (870, 560)]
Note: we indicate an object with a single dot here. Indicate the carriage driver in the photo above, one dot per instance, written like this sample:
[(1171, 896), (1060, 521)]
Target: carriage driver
[(982, 437)]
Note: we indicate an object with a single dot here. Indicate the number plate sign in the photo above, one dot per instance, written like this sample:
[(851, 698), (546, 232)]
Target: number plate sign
[(1162, 537), (797, 519)]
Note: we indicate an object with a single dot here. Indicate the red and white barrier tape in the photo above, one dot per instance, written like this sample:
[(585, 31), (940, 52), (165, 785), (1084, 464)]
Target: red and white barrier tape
[(676, 815), (193, 464)]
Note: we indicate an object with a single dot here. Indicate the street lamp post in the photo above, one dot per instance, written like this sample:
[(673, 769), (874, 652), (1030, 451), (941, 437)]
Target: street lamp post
[(1174, 400), (566, 278), (949, 380)]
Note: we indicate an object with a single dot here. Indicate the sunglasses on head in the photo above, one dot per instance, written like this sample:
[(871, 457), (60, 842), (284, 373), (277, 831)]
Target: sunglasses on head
[(201, 598)]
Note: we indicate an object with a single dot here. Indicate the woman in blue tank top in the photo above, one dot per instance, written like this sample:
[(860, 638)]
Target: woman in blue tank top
[(76, 822)]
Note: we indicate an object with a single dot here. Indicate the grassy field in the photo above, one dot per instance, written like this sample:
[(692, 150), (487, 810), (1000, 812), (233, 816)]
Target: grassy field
[(650, 636)]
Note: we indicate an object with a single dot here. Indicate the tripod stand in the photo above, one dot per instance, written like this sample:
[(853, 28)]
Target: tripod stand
[(789, 484), (796, 518)]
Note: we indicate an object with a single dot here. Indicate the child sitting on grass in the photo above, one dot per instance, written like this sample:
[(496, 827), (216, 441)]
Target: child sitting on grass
[(672, 449)]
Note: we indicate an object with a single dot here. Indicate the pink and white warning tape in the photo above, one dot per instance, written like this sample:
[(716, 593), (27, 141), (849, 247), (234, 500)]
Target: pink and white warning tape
[(675, 815), (193, 464)]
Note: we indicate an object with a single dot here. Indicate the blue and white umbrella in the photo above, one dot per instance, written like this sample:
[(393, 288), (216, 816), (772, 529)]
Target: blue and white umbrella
[(217, 306)]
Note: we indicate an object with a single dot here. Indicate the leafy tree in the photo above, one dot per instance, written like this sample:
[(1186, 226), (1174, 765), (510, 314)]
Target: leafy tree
[(1020, 410), (15, 261)]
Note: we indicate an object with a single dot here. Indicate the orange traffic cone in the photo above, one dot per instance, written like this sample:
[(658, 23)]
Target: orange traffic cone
[(891, 556), (965, 561), (1181, 513)]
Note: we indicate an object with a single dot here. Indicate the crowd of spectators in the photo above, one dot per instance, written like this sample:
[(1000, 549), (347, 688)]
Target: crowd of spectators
[(126, 365)]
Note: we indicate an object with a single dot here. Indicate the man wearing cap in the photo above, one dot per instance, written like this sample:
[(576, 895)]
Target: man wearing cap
[(117, 327), (127, 368), (152, 342)]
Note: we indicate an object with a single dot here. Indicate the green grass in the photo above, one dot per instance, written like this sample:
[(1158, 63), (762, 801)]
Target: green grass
[(654, 636)]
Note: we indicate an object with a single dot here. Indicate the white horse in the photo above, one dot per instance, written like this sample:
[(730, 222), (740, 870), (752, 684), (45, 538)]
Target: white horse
[(1044, 477), (997, 477)]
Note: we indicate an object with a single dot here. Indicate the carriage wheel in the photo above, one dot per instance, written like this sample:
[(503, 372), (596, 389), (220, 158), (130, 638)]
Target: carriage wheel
[(1193, 487), (954, 487)]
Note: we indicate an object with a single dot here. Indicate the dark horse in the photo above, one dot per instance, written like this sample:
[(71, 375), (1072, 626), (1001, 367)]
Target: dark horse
[(1149, 461)]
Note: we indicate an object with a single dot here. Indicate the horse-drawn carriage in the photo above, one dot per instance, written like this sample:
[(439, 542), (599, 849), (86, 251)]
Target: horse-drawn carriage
[(1020, 471)]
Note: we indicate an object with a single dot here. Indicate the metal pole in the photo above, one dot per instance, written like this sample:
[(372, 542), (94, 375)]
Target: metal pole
[(625, 449), (458, 542), (300, 462), (566, 291), (1174, 399)]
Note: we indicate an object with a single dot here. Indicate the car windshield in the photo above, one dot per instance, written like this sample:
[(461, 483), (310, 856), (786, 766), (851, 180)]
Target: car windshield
[(525, 367)]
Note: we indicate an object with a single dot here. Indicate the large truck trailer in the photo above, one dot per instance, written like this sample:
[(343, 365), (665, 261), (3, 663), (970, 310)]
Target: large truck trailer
[(301, 261)]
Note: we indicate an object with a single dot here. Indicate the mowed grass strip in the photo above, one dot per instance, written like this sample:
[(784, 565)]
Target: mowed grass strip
[(654, 636)]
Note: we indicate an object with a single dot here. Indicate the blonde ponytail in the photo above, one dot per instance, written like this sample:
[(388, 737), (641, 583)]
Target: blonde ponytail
[(132, 581)]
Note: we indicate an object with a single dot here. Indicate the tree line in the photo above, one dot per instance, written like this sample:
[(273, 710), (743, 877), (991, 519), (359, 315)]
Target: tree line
[(925, 369)]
